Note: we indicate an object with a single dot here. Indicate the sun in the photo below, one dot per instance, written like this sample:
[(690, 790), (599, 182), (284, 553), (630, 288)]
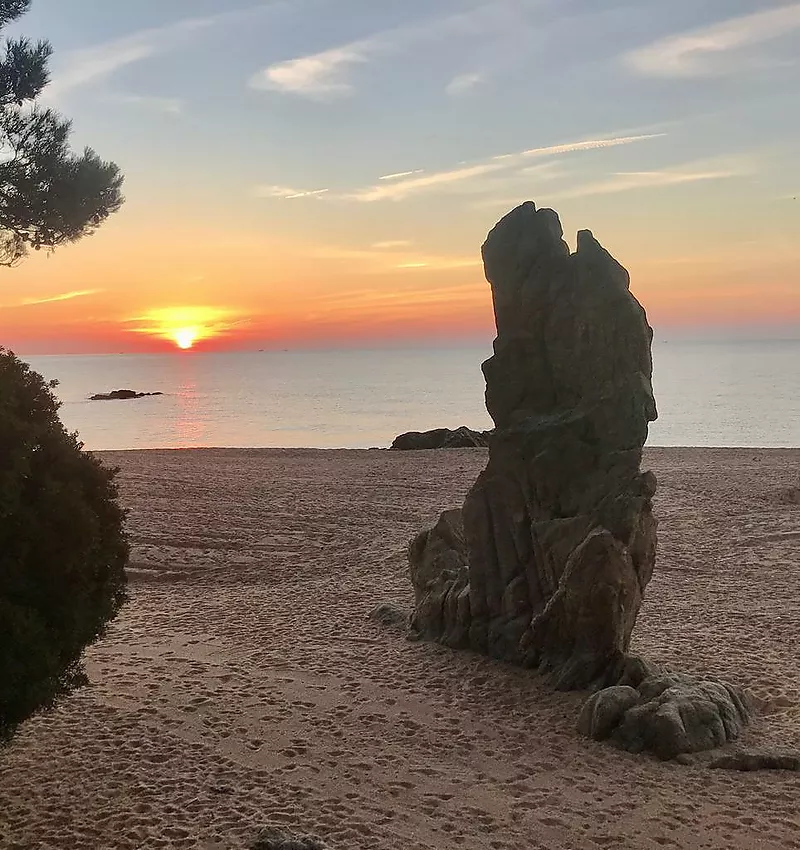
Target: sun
[(184, 337), (185, 327)]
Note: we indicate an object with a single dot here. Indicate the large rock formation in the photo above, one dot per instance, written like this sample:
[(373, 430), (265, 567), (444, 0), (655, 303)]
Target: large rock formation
[(558, 539)]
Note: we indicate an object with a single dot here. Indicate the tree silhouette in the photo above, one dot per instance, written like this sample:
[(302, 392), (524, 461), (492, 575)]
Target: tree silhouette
[(48, 194), (63, 548)]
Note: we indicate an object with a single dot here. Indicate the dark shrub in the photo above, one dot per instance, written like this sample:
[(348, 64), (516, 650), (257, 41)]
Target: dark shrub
[(63, 548)]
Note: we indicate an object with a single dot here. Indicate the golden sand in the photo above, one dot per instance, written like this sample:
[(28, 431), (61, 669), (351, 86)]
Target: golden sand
[(244, 685)]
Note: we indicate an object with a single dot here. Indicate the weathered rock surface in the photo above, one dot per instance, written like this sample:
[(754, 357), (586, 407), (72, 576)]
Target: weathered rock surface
[(442, 438), (668, 715), (120, 395), (441, 549), (389, 615), (559, 535), (438, 565), (604, 710)]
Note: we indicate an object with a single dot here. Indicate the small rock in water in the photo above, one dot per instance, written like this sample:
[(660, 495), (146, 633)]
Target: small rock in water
[(120, 395)]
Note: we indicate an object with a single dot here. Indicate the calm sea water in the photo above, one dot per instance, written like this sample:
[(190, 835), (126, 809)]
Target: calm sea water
[(708, 394)]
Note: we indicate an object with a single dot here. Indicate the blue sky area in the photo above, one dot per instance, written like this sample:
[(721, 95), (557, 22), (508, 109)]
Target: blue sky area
[(355, 130)]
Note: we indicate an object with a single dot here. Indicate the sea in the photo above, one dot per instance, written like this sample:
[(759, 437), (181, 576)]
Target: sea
[(718, 393)]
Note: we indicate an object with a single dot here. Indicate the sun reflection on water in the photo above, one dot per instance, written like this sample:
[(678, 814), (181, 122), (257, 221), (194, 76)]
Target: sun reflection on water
[(189, 425)]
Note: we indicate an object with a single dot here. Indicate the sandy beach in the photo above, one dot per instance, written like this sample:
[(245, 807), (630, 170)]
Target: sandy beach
[(244, 685)]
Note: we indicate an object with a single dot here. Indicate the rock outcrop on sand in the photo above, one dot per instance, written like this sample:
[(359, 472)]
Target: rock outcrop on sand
[(668, 714), (547, 563), (559, 535), (442, 438), (120, 395)]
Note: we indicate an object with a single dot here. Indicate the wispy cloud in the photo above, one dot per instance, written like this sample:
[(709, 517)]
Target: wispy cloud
[(692, 53), (391, 244), (390, 257), (631, 180), (93, 64), (318, 76), (399, 189), (586, 145), (287, 193), (440, 264), (403, 184), (463, 83), (324, 75), (63, 296), (398, 174)]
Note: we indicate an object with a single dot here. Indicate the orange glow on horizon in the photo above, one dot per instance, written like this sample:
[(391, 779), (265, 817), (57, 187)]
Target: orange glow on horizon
[(222, 293), (184, 326)]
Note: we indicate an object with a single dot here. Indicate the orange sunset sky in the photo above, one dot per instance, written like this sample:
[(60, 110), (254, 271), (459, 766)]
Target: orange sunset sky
[(316, 173)]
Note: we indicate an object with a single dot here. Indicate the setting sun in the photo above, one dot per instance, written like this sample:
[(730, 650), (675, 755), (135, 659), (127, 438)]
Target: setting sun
[(184, 326), (185, 337)]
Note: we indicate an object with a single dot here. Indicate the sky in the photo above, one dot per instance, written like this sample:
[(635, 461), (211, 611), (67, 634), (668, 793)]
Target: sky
[(322, 173)]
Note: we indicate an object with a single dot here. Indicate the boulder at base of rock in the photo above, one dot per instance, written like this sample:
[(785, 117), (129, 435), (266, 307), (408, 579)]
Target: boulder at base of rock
[(442, 438), (604, 710), (668, 715), (438, 564), (392, 616), (440, 549), (120, 395)]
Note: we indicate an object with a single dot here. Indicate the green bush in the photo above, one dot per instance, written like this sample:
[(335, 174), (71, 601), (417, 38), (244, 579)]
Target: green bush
[(63, 548)]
